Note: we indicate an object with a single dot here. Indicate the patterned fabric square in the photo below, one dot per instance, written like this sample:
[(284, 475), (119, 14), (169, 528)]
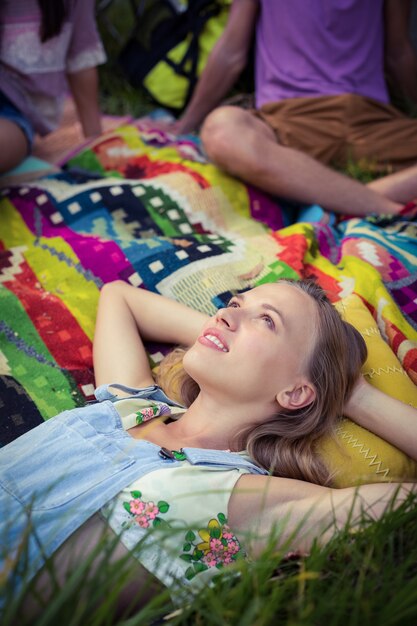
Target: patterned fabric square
[(142, 206)]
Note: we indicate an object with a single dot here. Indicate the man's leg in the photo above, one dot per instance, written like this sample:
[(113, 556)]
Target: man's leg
[(246, 147), (14, 145), (385, 138), (399, 187)]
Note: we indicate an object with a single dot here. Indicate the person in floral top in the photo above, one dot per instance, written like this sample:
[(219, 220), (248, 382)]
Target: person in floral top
[(46, 46)]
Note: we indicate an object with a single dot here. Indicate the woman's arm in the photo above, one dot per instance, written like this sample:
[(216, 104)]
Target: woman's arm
[(387, 417), (126, 316), (84, 88), (301, 513)]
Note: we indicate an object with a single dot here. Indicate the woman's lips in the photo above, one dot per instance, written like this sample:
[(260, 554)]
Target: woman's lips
[(212, 339)]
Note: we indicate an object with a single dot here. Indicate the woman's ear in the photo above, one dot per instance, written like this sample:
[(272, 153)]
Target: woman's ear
[(297, 397)]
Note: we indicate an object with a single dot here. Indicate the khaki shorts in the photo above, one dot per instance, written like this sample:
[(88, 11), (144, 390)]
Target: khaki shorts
[(336, 129)]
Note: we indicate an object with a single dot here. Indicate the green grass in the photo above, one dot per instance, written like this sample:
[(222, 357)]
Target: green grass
[(369, 577)]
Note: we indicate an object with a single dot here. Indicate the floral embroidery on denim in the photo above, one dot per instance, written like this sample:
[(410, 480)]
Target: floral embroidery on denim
[(146, 514), (218, 547)]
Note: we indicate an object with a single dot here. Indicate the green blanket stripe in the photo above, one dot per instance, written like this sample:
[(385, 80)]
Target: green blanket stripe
[(87, 159), (278, 269), (161, 219), (30, 363)]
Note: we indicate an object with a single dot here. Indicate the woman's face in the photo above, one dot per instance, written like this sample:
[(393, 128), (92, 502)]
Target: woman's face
[(257, 346)]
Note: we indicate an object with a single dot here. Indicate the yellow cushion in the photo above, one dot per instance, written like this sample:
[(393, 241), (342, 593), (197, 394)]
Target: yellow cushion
[(357, 455)]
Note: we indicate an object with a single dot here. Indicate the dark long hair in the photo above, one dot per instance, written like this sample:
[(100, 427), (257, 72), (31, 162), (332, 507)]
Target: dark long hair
[(53, 13)]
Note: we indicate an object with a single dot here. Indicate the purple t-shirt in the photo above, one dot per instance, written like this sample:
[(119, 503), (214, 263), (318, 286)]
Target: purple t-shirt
[(319, 47), (33, 74)]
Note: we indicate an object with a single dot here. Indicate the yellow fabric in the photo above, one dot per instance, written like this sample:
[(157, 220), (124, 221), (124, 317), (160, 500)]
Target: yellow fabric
[(359, 456), (174, 86), (170, 88)]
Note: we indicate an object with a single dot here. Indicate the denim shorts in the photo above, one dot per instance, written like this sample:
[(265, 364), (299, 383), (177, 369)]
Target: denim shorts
[(9, 112)]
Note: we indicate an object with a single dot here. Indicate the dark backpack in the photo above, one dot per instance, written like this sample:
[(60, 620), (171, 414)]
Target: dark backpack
[(168, 48)]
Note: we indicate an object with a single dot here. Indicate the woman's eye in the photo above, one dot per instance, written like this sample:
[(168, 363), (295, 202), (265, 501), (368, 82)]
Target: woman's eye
[(269, 321), (233, 305)]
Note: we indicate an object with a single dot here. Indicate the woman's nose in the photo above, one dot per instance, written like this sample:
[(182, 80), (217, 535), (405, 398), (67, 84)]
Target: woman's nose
[(227, 317)]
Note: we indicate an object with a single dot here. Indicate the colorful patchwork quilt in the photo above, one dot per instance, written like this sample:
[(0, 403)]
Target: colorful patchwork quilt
[(141, 205)]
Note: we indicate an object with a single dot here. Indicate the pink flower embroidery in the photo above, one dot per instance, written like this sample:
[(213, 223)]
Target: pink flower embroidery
[(233, 547), (216, 546), (151, 510), (142, 520), (226, 532), (209, 559), (137, 506), (145, 513)]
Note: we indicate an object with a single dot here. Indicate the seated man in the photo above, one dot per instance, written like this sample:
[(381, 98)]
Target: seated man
[(321, 99)]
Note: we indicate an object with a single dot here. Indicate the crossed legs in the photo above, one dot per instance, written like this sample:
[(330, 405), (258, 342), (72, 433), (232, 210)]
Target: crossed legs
[(246, 147)]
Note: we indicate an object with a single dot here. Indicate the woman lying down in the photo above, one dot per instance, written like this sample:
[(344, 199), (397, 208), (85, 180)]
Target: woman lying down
[(187, 491)]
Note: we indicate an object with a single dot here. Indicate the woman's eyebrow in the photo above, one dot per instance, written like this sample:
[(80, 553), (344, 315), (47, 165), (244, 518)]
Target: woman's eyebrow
[(269, 307), (265, 305)]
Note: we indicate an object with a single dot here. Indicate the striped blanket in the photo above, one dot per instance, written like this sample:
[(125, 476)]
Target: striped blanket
[(140, 205)]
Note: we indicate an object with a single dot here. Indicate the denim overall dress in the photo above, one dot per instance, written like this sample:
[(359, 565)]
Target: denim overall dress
[(56, 476)]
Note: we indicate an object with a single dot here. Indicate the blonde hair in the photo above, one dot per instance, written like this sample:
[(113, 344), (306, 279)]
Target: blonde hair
[(286, 444)]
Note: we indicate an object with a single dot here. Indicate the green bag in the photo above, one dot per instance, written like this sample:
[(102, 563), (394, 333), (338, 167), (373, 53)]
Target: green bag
[(168, 48)]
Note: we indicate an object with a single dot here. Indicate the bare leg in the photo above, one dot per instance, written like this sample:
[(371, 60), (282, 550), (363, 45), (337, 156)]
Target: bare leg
[(399, 187), (246, 147), (13, 145)]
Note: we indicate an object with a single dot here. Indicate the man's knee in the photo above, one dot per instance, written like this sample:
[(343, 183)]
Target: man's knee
[(218, 132)]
